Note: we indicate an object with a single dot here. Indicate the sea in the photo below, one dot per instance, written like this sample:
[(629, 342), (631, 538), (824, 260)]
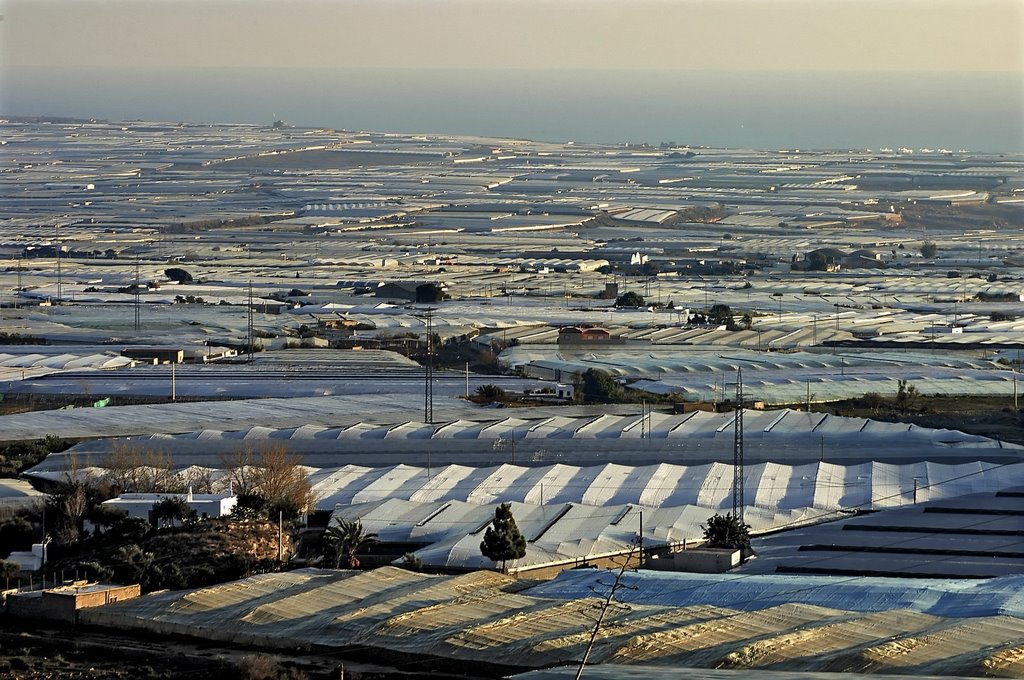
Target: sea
[(767, 109)]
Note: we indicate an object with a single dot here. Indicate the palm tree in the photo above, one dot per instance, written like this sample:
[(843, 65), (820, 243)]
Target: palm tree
[(344, 540)]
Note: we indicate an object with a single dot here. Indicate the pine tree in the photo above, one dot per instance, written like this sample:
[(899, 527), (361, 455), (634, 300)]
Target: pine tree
[(502, 540)]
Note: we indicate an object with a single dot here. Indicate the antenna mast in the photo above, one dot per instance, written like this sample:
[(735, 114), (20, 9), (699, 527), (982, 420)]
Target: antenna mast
[(248, 329), (737, 451), (56, 229), (428, 371), (137, 292)]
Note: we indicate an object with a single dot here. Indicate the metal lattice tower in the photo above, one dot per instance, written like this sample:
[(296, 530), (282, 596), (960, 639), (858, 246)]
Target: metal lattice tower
[(248, 328), (137, 293), (428, 371), (56, 229), (737, 451)]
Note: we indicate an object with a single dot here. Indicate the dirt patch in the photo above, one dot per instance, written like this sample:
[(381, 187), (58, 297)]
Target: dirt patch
[(29, 653)]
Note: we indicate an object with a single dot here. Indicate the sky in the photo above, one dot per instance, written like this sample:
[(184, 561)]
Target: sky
[(728, 35), (762, 73)]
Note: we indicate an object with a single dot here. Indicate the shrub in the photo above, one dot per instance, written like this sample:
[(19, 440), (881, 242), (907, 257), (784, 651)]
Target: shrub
[(630, 299), (178, 275), (490, 393)]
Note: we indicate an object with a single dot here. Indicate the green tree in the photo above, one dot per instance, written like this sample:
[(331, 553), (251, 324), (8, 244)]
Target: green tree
[(170, 510), (132, 564), (16, 533), (630, 299), (430, 293), (178, 275), (503, 540), (818, 262), (873, 401), (720, 313), (94, 570), (929, 250), (344, 541), (9, 569), (726, 531), (106, 516), (131, 529), (65, 511), (250, 506), (908, 399), (600, 387)]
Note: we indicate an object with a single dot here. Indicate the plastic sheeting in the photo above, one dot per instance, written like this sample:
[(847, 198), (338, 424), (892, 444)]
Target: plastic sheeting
[(487, 618), (750, 592), (555, 534), (771, 486)]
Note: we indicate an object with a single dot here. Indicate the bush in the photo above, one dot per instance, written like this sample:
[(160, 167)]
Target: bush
[(599, 386), (16, 533), (265, 667), (20, 456), (430, 293), (630, 299), (178, 275), (721, 314), (874, 401), (490, 393)]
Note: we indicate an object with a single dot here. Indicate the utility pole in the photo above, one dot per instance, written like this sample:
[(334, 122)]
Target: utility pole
[(21, 265), (616, 586), (174, 384), (467, 380), (640, 539), (737, 455), (280, 536)]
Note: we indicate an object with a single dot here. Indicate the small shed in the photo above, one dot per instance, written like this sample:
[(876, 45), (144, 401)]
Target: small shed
[(63, 602)]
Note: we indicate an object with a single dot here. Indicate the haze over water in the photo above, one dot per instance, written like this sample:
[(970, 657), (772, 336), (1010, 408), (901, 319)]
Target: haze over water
[(845, 110)]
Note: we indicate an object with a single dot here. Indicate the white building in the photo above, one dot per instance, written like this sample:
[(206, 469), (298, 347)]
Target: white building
[(203, 504)]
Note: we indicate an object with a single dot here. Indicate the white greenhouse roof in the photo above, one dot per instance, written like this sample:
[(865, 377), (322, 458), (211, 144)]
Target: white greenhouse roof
[(788, 623), (541, 437)]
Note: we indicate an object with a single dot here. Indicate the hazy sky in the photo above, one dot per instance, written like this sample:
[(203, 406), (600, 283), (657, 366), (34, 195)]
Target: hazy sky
[(824, 35)]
